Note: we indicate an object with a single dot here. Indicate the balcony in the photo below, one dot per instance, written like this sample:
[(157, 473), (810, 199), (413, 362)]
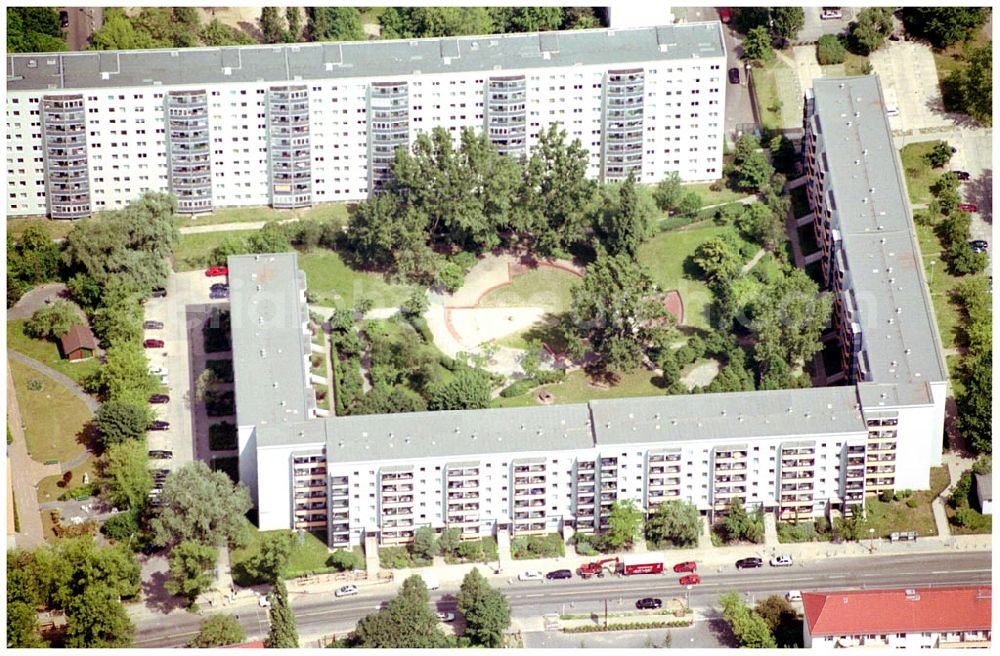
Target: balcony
[(405, 476)]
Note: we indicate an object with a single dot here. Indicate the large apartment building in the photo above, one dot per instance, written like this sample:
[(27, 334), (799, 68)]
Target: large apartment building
[(799, 453), (293, 125)]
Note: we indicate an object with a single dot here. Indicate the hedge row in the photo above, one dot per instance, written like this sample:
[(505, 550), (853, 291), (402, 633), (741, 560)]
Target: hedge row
[(636, 626)]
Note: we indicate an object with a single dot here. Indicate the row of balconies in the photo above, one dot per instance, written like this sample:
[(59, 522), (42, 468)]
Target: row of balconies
[(673, 469), (463, 495), (397, 498), (518, 83), (625, 101), (734, 478), (63, 117), (456, 507), (872, 482), (397, 511), (792, 486), (857, 472), (316, 505), (736, 466), (793, 475), (882, 469), (470, 471), (397, 127), (587, 500), (309, 471), (607, 463), (534, 491), (626, 90), (282, 107), (623, 159), (856, 448), (396, 523), (727, 455), (797, 463), (467, 484), (63, 199), (664, 482), (521, 469), (730, 489), (614, 78), (526, 480), (882, 446), (538, 514), (65, 177), (341, 491), (855, 461), (663, 493), (669, 457), (68, 187), (585, 466)]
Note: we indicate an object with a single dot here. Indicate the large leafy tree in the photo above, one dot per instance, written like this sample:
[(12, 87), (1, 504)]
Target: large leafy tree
[(294, 17), (271, 560), (192, 568), (674, 522), (125, 476), (757, 45), (218, 631), (469, 389), (22, 627), (52, 321), (718, 260), (33, 257), (871, 28), (974, 402), (748, 18), (283, 633), (944, 26), (751, 170), (427, 22), (407, 622), (96, 619), (335, 24), (526, 19), (781, 619), (121, 421), (626, 224), (615, 308), (272, 26), (787, 21), (749, 628), (125, 374), (217, 33), (485, 609), (201, 505), (118, 33), (624, 524), (975, 84), (791, 315), (34, 29)]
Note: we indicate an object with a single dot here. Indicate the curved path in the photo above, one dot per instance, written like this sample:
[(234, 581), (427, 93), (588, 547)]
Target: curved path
[(36, 298), (62, 379)]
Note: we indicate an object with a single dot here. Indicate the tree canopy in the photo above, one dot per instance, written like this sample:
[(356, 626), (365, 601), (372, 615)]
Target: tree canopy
[(944, 26), (34, 29), (749, 628), (96, 619), (283, 633), (201, 505), (757, 45), (974, 84), (192, 570), (218, 630), (407, 622), (469, 389), (125, 476), (428, 22), (334, 24), (870, 29), (485, 609), (674, 522), (624, 524), (787, 21), (122, 421), (52, 321)]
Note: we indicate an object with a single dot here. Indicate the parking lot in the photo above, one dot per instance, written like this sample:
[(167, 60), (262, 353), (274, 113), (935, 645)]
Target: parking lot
[(183, 313), (909, 79)]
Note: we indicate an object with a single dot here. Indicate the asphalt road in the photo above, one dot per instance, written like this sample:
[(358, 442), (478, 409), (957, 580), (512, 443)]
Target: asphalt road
[(324, 615), (83, 21)]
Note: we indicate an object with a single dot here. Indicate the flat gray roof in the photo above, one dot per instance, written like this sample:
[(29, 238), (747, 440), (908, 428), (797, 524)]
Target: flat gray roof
[(728, 416), (269, 347), (293, 62), (799, 413), (880, 246)]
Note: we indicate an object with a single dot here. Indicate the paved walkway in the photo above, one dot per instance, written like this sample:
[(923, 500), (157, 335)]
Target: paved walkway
[(227, 227), (753, 261), (36, 299), (62, 379)]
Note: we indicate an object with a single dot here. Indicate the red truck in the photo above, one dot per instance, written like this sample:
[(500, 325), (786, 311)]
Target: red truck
[(641, 564), (597, 567)]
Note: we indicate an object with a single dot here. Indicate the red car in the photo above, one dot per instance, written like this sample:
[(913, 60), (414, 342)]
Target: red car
[(690, 579), (153, 343), (689, 566), (216, 271), (725, 15), (968, 207)]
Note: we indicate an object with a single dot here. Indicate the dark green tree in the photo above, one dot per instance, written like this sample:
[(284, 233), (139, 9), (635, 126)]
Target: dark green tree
[(335, 24), (852, 525), (974, 402), (118, 33), (382, 400), (22, 627), (469, 389), (626, 226), (217, 33), (121, 421), (192, 570), (533, 19), (428, 22), (125, 476), (271, 24), (675, 522), (737, 521), (293, 15), (975, 84), (718, 259), (870, 29), (218, 631), (283, 633), (781, 619), (271, 560), (485, 609), (795, 312), (52, 321), (830, 50), (944, 26), (449, 541), (424, 543), (33, 257), (34, 29), (345, 560), (406, 623), (201, 505), (787, 21), (668, 192), (757, 45), (580, 18), (96, 619), (939, 155), (749, 628), (748, 18), (616, 308)]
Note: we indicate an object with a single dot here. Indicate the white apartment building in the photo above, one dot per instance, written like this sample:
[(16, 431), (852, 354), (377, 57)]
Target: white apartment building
[(293, 125)]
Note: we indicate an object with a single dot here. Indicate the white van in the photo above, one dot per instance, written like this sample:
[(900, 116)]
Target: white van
[(793, 595)]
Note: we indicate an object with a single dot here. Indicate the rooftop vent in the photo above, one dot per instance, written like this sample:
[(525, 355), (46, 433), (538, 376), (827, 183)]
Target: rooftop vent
[(912, 595)]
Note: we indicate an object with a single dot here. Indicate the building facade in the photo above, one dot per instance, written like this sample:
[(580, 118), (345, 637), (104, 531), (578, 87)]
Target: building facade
[(917, 618), (294, 125)]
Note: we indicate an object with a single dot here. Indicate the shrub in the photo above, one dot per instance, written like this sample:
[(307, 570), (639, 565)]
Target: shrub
[(549, 545), (886, 496), (518, 388), (344, 560), (912, 503), (393, 557), (78, 493), (223, 369), (631, 626), (830, 50), (420, 325), (222, 436), (121, 526)]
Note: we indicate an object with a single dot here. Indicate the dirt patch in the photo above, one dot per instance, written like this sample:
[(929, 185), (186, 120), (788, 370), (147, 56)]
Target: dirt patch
[(703, 374), (674, 304)]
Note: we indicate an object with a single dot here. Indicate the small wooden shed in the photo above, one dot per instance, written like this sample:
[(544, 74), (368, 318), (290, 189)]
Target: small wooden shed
[(79, 343)]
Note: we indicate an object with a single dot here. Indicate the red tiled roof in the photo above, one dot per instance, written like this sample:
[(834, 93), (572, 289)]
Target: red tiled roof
[(854, 612), (78, 337), (247, 645)]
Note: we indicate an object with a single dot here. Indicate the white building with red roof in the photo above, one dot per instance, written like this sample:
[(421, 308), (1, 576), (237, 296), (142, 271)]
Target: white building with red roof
[(914, 618)]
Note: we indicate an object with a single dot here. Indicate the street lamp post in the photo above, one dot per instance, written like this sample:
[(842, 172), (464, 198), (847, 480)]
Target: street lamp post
[(871, 540)]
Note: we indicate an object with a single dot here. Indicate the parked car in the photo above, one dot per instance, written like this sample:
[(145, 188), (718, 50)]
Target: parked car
[(559, 574), (531, 575), (219, 287), (152, 325), (968, 207), (963, 175), (64, 19), (159, 425), (793, 595), (162, 473), (446, 617), (831, 13), (161, 454), (749, 563), (159, 398), (263, 601), (979, 245), (219, 293), (784, 560), (690, 579), (346, 591), (689, 566), (159, 292), (649, 603), (216, 270), (734, 75), (153, 343), (725, 15)]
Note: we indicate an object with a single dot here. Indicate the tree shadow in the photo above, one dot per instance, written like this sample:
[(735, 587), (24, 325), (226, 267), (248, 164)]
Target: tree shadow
[(89, 436), (720, 629), (252, 29), (980, 192), (156, 596)]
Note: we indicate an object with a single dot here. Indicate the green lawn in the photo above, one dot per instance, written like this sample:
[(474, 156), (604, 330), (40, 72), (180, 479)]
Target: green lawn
[(332, 283), (709, 197), (767, 268), (940, 283), (337, 212), (664, 256), (769, 81), (54, 418), (919, 174), (576, 389), (896, 516), (56, 229), (542, 287), (308, 556), (47, 352), (49, 489), (855, 64), (192, 251)]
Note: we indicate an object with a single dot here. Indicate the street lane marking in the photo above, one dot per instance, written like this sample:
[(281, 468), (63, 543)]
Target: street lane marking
[(531, 596), (963, 571)]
